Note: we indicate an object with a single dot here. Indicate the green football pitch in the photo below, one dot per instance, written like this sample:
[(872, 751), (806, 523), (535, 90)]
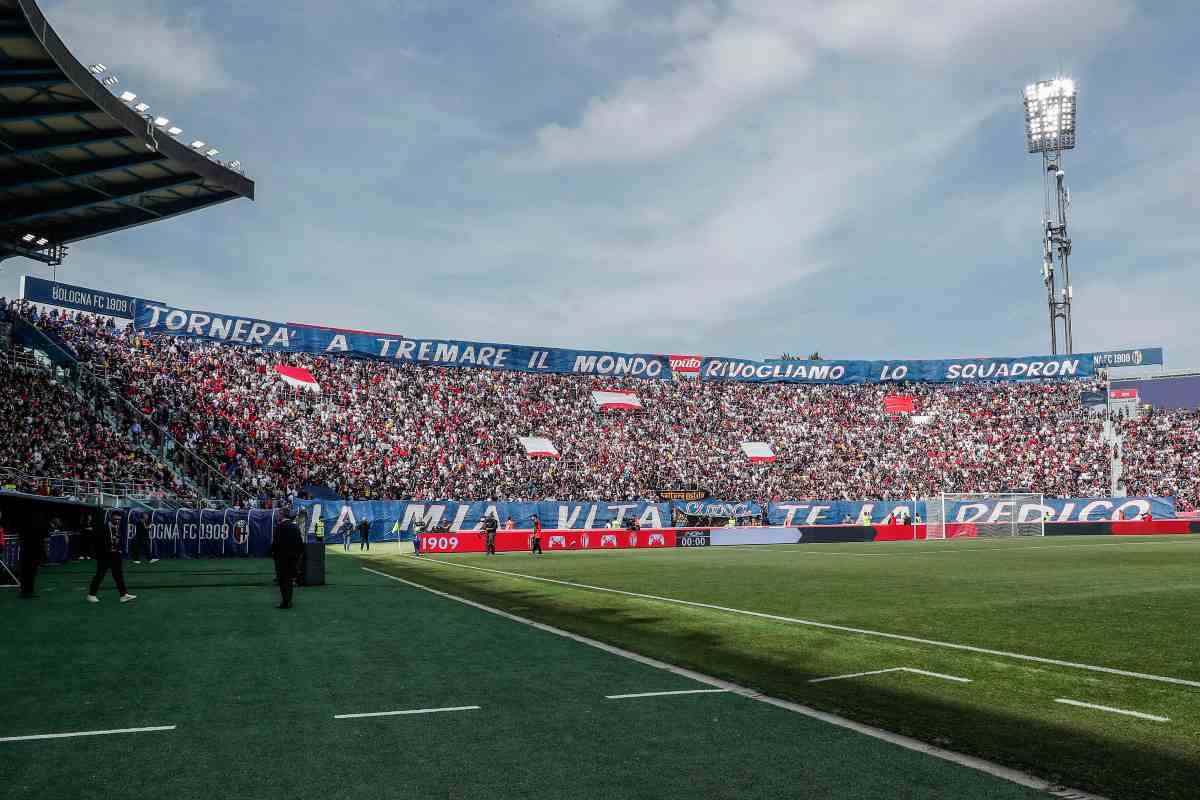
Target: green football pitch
[(253, 702)]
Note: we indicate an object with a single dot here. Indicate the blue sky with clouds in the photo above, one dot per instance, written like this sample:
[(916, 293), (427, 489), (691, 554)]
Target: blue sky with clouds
[(740, 178)]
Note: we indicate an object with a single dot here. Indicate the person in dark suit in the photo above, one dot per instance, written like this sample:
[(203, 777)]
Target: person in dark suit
[(141, 539), (287, 547), (33, 553), (490, 525), (108, 558), (364, 533)]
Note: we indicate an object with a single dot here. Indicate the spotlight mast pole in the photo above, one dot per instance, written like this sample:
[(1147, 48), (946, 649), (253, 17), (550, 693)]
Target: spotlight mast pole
[(1050, 130)]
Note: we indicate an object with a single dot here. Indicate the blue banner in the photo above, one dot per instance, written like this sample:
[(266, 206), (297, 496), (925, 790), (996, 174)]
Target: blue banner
[(1134, 357), (393, 519), (946, 370), (1075, 509), (292, 337), (190, 533), (78, 298)]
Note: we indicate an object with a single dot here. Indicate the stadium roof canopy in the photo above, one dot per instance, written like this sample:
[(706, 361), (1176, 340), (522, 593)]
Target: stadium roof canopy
[(75, 160)]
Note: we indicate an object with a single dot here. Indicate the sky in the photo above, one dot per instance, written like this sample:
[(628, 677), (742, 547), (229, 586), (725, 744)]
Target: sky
[(739, 178)]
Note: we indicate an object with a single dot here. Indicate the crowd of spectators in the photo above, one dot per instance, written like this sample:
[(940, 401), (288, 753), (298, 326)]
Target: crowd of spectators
[(57, 440), (395, 430), (1161, 455)]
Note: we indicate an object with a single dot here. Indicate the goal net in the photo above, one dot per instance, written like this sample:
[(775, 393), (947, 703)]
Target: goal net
[(955, 515)]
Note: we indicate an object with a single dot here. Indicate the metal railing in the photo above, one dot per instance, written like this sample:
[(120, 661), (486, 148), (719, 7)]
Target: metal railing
[(91, 491)]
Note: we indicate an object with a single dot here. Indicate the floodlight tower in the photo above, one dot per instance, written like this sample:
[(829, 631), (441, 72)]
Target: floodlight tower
[(1050, 130)]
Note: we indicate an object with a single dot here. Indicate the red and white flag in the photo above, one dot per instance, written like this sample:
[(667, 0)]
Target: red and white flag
[(298, 377), (758, 451), (899, 404), (616, 401), (538, 447)]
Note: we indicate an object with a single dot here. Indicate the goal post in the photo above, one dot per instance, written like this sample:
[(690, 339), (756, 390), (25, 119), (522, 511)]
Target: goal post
[(952, 515)]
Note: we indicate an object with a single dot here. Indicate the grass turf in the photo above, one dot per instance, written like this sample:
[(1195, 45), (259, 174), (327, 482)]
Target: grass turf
[(1114, 603), (253, 692)]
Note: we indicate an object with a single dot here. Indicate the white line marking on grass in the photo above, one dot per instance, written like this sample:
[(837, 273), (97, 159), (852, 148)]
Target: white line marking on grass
[(907, 742), (944, 549), (855, 675), (1138, 714), (913, 670), (936, 675), (85, 733), (841, 628), (662, 694), (406, 712)]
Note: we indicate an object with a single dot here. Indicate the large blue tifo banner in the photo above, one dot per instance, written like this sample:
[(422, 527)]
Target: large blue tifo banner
[(1072, 509), (77, 298), (394, 519), (295, 338)]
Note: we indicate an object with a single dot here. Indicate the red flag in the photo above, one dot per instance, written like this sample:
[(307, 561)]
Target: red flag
[(899, 404), (298, 377)]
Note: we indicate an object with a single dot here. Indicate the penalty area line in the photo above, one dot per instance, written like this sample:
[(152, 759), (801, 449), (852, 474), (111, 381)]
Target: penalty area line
[(663, 694), (85, 733), (907, 742), (899, 637), (405, 712), (913, 670), (1111, 710)]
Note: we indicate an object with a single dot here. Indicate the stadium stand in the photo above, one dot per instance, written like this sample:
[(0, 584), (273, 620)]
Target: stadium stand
[(1160, 455), (390, 430)]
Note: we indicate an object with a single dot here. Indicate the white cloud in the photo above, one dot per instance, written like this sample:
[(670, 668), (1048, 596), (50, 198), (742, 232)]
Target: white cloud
[(719, 65), (176, 59), (704, 81), (577, 11), (935, 31)]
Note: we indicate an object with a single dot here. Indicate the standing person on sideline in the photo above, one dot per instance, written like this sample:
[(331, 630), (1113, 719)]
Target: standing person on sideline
[(347, 532), (364, 533), (420, 528), (108, 557), (535, 538), (490, 524), (33, 553), (287, 545), (141, 538)]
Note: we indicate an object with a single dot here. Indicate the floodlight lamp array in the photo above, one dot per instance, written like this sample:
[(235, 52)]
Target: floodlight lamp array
[(160, 122), (1050, 115)]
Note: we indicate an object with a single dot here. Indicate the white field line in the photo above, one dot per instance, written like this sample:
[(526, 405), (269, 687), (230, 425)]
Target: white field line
[(907, 742), (662, 694), (936, 675), (406, 712), (86, 733), (913, 670), (856, 675), (841, 628), (1138, 714), (802, 549)]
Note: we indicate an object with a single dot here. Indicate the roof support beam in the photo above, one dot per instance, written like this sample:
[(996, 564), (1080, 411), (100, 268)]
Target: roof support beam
[(119, 198), (49, 144), (48, 111), (72, 173), (17, 82)]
